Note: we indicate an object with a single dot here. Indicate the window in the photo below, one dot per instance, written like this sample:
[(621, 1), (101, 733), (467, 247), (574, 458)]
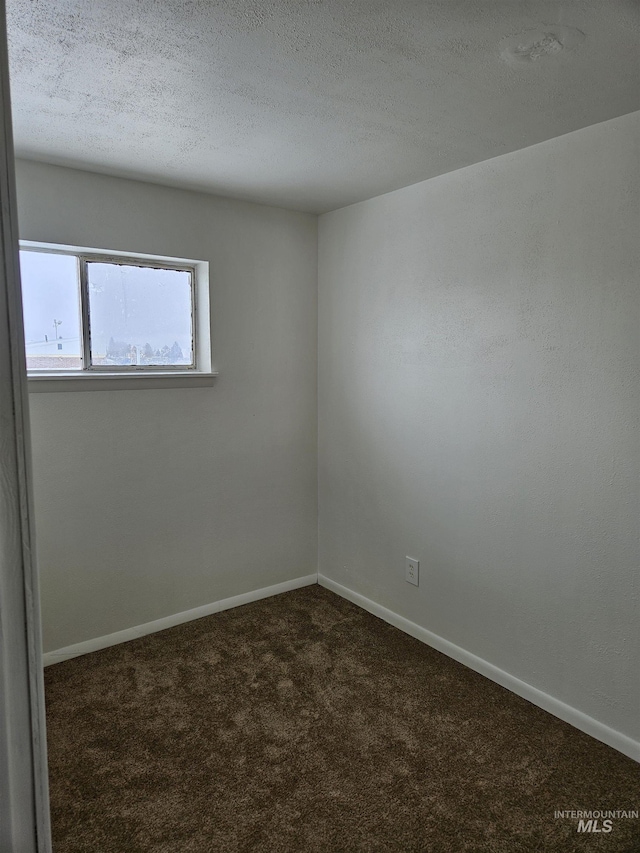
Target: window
[(88, 313)]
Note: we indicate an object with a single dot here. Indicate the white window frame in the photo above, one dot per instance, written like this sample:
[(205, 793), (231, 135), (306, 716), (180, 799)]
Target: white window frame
[(90, 377), (85, 330)]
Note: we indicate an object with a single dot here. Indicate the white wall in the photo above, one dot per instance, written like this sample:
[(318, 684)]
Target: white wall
[(478, 410), (151, 502), (478, 400)]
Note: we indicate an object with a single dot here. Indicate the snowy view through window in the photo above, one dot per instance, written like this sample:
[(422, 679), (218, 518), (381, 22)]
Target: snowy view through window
[(139, 316)]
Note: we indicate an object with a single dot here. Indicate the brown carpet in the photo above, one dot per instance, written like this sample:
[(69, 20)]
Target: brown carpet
[(303, 723)]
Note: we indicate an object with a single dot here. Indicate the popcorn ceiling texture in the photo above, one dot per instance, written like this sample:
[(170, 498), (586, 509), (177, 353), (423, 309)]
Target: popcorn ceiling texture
[(537, 44), (308, 105)]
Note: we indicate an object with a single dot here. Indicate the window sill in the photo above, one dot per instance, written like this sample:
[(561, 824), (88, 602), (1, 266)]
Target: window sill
[(83, 381)]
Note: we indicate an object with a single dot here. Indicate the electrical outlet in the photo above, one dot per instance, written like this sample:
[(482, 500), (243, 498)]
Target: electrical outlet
[(412, 570)]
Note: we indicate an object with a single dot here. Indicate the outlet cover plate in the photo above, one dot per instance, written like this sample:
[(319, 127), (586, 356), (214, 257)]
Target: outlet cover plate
[(412, 570)]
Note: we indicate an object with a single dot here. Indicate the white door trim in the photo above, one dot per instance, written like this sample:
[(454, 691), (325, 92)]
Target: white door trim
[(24, 800)]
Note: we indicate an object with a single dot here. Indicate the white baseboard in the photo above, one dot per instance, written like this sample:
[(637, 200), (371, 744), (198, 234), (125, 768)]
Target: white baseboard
[(568, 714), (559, 709), (176, 619)]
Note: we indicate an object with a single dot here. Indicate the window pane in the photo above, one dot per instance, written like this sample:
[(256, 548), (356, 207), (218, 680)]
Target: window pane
[(51, 310), (139, 315)]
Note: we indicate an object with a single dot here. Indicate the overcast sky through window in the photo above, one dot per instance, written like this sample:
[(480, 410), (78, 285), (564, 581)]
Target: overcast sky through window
[(131, 306), (139, 306), (50, 293)]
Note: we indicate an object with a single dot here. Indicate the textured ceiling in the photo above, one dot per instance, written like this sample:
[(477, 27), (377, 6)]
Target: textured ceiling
[(311, 104)]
